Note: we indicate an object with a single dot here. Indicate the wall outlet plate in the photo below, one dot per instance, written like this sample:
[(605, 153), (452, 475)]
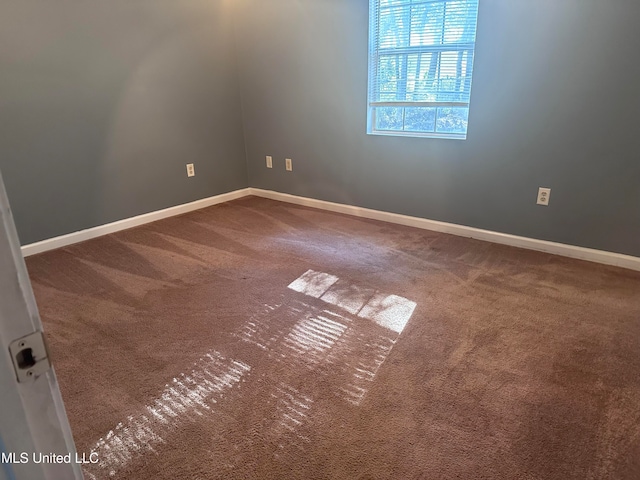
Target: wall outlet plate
[(191, 171), (288, 165), (543, 196), (269, 161)]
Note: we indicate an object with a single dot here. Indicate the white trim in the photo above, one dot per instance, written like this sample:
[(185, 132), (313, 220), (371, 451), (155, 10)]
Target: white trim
[(598, 256), (589, 254), (82, 235)]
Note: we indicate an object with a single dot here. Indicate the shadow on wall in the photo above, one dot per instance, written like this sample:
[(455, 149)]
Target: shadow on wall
[(174, 109)]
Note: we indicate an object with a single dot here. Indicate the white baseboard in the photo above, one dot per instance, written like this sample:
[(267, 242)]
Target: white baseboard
[(598, 256), (82, 235)]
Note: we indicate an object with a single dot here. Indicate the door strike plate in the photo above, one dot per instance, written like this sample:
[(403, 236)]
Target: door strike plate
[(30, 357)]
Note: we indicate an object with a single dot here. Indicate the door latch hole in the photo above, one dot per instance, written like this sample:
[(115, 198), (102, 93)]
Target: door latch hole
[(25, 358)]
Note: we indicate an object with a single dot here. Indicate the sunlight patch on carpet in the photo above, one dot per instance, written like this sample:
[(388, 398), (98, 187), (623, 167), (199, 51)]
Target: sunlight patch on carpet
[(255, 330), (313, 283), (292, 408), (314, 336), (389, 311), (363, 371), (187, 395), (348, 296), (345, 342), (348, 339)]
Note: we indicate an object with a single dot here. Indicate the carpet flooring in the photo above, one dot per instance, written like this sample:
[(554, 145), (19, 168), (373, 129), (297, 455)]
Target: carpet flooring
[(261, 340)]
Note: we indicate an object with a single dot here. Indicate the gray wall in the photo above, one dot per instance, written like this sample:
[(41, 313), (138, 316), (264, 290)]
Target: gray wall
[(555, 102), (102, 103)]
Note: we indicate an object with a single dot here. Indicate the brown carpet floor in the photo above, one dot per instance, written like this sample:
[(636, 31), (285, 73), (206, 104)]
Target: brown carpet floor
[(257, 339)]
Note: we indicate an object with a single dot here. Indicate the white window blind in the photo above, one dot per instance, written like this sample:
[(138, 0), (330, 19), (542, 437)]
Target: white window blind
[(420, 66)]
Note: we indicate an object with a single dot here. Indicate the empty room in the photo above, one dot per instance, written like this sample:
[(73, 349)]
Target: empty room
[(319, 239)]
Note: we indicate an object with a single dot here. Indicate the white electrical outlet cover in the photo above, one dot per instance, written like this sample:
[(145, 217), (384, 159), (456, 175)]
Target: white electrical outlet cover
[(543, 196), (269, 161), (288, 165)]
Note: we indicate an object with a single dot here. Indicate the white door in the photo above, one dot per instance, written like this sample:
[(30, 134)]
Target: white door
[(35, 438)]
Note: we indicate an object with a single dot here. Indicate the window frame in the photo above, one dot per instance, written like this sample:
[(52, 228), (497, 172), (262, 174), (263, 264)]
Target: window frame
[(375, 52)]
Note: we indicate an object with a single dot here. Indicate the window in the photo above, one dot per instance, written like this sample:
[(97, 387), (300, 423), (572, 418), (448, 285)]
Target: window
[(420, 65)]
